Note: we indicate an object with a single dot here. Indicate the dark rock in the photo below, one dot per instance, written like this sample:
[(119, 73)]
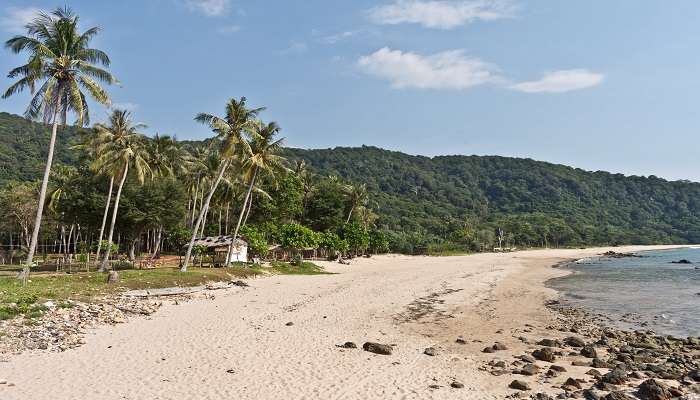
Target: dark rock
[(615, 377), (598, 363), (594, 372), (530, 369), (430, 352), (617, 395), (348, 345), (541, 396), (572, 382), (552, 373), (574, 341), (589, 351), (377, 348), (549, 343), (527, 358), (577, 363), (544, 354), (289, 324), (637, 375), (457, 385), (557, 368), (460, 341), (499, 346), (433, 386), (488, 350), (694, 375), (683, 261), (652, 389), (519, 385)]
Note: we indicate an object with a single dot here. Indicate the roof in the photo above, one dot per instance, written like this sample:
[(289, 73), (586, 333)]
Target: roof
[(219, 241)]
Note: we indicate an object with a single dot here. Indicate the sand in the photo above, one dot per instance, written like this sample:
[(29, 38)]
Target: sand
[(237, 345)]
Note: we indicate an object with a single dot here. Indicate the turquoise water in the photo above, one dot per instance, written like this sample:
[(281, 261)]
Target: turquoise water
[(649, 292)]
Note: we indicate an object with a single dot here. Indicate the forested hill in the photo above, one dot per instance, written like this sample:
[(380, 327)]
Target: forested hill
[(530, 200), (458, 199)]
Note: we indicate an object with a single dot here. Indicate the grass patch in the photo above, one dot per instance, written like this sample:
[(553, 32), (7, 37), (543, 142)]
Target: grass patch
[(16, 299)]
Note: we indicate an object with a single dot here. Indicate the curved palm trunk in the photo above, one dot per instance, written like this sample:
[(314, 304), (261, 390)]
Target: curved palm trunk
[(350, 214), (205, 206), (240, 216), (42, 192), (103, 265), (104, 217), (247, 212)]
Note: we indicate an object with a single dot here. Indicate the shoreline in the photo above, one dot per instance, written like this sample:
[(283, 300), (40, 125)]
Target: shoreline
[(279, 337)]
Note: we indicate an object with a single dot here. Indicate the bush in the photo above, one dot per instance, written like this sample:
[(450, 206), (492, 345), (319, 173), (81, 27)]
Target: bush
[(257, 244), (295, 236)]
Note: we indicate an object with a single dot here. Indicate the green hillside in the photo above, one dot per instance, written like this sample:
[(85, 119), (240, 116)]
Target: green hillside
[(459, 201)]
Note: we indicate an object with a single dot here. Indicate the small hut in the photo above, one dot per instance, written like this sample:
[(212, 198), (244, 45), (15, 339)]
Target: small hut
[(217, 247)]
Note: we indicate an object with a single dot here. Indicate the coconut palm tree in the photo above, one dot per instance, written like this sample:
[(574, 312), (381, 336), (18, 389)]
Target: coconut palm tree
[(62, 65), (261, 157), (129, 150), (119, 125), (230, 132), (357, 196)]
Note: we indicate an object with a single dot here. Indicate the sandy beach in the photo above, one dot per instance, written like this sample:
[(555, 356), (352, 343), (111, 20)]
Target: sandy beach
[(277, 338)]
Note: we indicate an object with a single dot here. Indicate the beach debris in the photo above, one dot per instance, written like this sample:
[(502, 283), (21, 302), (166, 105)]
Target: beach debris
[(289, 323), (239, 283), (430, 351), (544, 354), (457, 385), (378, 348), (519, 385), (683, 261), (231, 371), (347, 345)]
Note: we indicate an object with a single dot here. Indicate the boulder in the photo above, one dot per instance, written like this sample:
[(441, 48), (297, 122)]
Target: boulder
[(574, 341), (652, 389), (530, 369), (519, 385), (694, 375), (589, 351), (544, 354), (573, 383), (615, 377), (378, 348), (557, 368)]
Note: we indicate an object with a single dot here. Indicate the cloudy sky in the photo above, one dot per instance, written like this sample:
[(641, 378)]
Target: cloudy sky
[(596, 84)]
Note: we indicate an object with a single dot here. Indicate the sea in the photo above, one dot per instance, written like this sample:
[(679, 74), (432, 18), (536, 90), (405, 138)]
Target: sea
[(650, 291)]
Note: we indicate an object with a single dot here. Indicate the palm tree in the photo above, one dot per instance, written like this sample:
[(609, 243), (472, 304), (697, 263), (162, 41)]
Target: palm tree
[(262, 157), (63, 64), (118, 127), (357, 196), (230, 131), (130, 149)]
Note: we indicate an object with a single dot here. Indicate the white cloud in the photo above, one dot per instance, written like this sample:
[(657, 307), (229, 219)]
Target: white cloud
[(441, 14), (333, 39), (228, 30), (125, 106), (16, 18), (561, 81), (445, 70), (210, 8)]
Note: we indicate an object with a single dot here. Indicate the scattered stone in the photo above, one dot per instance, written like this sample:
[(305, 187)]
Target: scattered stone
[(519, 385), (579, 363), (378, 348), (589, 351), (457, 385), (527, 358), (530, 369), (289, 323), (598, 363), (594, 372), (239, 284), (683, 261), (230, 371), (573, 382), (434, 387), (617, 395), (488, 350), (549, 343), (551, 373), (348, 345), (557, 368), (430, 352), (694, 375), (544, 354), (499, 346), (652, 389), (574, 341), (460, 341), (615, 377)]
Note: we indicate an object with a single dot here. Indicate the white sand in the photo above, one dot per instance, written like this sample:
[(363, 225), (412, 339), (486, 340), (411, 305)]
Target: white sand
[(184, 351)]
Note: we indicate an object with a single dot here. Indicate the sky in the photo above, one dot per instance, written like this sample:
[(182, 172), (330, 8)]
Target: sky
[(595, 84)]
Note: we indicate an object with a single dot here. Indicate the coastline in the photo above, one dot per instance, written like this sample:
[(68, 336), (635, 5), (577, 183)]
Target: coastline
[(279, 337)]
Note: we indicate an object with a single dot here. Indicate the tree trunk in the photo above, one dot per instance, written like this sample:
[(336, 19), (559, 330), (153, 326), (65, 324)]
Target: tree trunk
[(104, 218), (132, 250), (240, 217), (156, 247), (44, 186), (228, 206), (350, 214), (222, 170), (103, 266)]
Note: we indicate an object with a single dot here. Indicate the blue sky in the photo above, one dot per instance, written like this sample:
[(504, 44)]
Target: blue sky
[(596, 84)]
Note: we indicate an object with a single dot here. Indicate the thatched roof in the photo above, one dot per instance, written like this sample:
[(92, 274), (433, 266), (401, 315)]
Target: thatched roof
[(219, 241)]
